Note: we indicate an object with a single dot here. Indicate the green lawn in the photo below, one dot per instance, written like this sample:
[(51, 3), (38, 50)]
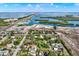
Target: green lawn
[(53, 22), (2, 23)]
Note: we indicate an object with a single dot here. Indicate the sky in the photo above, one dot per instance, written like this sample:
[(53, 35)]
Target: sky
[(39, 7)]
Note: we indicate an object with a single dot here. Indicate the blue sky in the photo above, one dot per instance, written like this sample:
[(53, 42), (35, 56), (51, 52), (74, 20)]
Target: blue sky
[(39, 7)]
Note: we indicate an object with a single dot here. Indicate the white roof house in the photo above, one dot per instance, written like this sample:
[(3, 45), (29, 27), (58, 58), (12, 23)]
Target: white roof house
[(4, 52), (57, 46), (9, 46), (32, 50)]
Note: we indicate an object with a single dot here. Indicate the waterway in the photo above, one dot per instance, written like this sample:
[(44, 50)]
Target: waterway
[(37, 17)]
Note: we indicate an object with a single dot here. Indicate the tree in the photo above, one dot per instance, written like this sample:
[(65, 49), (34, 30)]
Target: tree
[(16, 42), (69, 15)]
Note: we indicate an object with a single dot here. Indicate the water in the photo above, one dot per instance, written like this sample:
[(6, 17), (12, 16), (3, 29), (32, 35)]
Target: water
[(34, 18), (38, 15), (21, 14), (13, 14), (73, 22)]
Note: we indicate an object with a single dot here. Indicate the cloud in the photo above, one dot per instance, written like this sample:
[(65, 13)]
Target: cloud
[(51, 4), (6, 5), (29, 5), (56, 6), (28, 8), (16, 4), (76, 4), (64, 7), (37, 6)]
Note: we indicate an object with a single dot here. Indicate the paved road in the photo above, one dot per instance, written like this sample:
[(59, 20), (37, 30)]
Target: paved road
[(24, 38), (18, 47), (69, 42)]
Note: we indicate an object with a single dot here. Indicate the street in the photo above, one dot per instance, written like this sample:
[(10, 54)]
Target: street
[(69, 42)]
